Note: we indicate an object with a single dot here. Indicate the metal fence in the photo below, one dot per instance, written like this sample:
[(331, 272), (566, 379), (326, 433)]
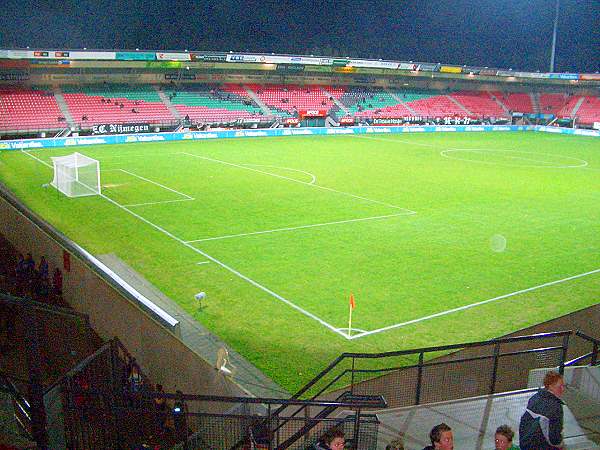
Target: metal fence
[(450, 372)]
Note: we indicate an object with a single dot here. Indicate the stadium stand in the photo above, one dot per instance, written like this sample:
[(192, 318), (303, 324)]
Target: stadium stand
[(116, 103), (479, 103), (210, 103), (588, 111), (286, 100), (552, 103), (29, 110), (518, 102)]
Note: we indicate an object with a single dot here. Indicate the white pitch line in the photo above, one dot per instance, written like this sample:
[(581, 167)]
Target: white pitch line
[(276, 230), (35, 157), (158, 184), (216, 261), (161, 202), (296, 181), (472, 305), (202, 262), (312, 176)]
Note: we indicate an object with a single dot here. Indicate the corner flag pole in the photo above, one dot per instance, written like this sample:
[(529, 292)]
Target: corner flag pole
[(352, 306)]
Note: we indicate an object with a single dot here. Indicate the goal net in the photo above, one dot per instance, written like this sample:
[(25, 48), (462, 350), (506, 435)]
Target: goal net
[(76, 175)]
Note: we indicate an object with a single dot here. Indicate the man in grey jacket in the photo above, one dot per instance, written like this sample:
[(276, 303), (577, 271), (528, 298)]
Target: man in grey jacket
[(541, 424)]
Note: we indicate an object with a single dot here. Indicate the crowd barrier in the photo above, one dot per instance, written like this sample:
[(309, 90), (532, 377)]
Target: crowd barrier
[(202, 135)]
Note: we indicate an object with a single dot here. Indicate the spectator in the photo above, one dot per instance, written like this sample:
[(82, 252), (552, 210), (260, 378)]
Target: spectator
[(503, 438), (179, 412), (84, 118), (541, 424), (57, 282), (43, 268), (441, 438), (29, 266), (21, 275), (160, 404), (332, 440)]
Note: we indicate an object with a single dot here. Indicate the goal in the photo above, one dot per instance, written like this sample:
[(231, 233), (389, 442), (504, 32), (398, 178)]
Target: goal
[(76, 175)]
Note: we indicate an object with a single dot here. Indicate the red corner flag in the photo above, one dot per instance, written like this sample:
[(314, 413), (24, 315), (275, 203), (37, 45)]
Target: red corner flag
[(352, 304)]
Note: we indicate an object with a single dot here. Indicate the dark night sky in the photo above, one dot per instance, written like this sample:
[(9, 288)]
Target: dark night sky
[(496, 33)]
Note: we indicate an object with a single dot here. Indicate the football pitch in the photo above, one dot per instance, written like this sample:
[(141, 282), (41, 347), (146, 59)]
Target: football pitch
[(441, 238)]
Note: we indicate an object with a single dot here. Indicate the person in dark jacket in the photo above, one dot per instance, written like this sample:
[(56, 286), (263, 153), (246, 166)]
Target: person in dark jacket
[(541, 424), (441, 438)]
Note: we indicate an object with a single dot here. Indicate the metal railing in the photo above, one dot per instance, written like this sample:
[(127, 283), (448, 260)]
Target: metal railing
[(433, 374)]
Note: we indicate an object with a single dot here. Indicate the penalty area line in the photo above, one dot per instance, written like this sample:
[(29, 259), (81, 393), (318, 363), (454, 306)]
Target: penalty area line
[(296, 181), (277, 230), (219, 263), (472, 305)]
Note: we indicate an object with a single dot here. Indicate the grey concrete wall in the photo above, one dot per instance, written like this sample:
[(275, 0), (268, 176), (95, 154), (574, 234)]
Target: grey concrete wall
[(162, 356)]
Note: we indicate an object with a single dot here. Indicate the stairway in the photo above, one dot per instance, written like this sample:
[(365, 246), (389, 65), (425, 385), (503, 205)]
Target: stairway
[(535, 101), (459, 104), (264, 108), (502, 105), (168, 103), (64, 108), (399, 100), (336, 101), (576, 107)]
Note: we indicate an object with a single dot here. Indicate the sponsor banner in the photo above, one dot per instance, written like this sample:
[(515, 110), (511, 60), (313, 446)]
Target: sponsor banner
[(325, 61), (16, 54), (505, 73), (50, 62), (14, 76), (347, 120), (242, 58), (292, 121), (450, 69), (488, 72), (159, 137), (164, 64), (339, 62), (470, 70), (379, 130), (171, 56), (313, 113), (297, 132), (407, 66), (215, 57), (180, 76), (373, 64), (135, 56), (427, 67), (121, 128), (345, 69), (340, 131), (388, 120), (589, 76), (596, 126), (290, 68), (145, 138), (564, 76), (92, 55)]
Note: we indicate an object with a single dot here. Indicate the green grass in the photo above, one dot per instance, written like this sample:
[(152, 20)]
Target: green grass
[(471, 193)]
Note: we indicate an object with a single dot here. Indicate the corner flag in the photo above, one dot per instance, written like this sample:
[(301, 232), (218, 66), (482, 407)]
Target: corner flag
[(352, 306)]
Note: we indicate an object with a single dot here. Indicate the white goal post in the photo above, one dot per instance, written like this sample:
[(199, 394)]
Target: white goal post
[(76, 175)]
